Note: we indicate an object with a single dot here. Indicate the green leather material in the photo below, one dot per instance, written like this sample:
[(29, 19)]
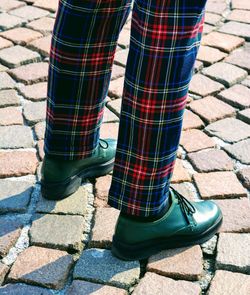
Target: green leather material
[(59, 170), (173, 223)]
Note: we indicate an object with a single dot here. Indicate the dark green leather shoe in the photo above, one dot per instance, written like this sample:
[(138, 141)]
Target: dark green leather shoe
[(185, 223), (61, 178)]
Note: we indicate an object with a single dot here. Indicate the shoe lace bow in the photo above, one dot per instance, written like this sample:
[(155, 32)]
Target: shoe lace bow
[(101, 141), (186, 207)]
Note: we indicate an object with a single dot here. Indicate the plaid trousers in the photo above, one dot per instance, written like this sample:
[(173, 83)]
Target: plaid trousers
[(165, 37)]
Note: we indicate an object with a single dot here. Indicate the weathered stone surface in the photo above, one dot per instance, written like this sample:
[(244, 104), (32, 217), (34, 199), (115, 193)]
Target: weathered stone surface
[(246, 82), (198, 65), (233, 252), (14, 195), (21, 36), (124, 38), (8, 21), (225, 73), (29, 12), (212, 18), (207, 29), (31, 73), (210, 55), (10, 116), (3, 271), (240, 4), (35, 112), (76, 204), (244, 176), (102, 186), (240, 58), (43, 25), (57, 231), (104, 218), (181, 263), (211, 160), (236, 283), (6, 5), (10, 229), (244, 116), (219, 185), (99, 265), (6, 81), (117, 72), (116, 87), (185, 189), (17, 163), (222, 41), (4, 43), (229, 129), (235, 28), (240, 151), (40, 130), (15, 137), (50, 5), (115, 106), (238, 96), (42, 45), (235, 215), (9, 98), (109, 116), (40, 148), (216, 6), (211, 109), (194, 140), (41, 266), (239, 16), (22, 289), (81, 287), (190, 121), (158, 285), (204, 86), (121, 57), (180, 174), (109, 130), (34, 92)]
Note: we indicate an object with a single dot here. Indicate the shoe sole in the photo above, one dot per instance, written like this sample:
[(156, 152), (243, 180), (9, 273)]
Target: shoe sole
[(59, 190), (146, 249)]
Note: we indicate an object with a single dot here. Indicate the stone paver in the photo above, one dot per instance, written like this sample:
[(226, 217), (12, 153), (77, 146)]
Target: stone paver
[(236, 283), (158, 285), (210, 160), (8, 21), (41, 45), (29, 12), (222, 41), (170, 263), (204, 86), (75, 204), (239, 16), (116, 87), (43, 25), (14, 195), (220, 185), (233, 252), (212, 18), (235, 215), (216, 6), (185, 189), (240, 151), (6, 5), (237, 95), (40, 148), (246, 82), (229, 129), (17, 163), (47, 4), (180, 174), (117, 72), (57, 231), (40, 130), (87, 288), (34, 92), (235, 28), (15, 137), (244, 115), (10, 230), (109, 130), (23, 289), (6, 81), (21, 36), (3, 271), (31, 73), (104, 218), (115, 106), (102, 186), (240, 58), (41, 266), (240, 4), (98, 265), (9, 98), (109, 116), (4, 43), (35, 112), (10, 116), (225, 73), (209, 55), (191, 120), (121, 57), (194, 140), (244, 176), (211, 109)]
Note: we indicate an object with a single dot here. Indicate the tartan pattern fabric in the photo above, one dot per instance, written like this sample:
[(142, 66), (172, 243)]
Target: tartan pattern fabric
[(165, 37)]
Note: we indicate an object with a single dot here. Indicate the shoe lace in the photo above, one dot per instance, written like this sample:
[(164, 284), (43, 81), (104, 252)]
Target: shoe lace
[(103, 141), (186, 207)]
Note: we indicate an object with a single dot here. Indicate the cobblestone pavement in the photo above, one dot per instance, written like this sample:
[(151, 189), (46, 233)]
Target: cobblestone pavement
[(63, 247)]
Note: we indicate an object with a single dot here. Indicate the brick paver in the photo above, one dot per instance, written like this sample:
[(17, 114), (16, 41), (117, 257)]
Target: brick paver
[(56, 247)]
